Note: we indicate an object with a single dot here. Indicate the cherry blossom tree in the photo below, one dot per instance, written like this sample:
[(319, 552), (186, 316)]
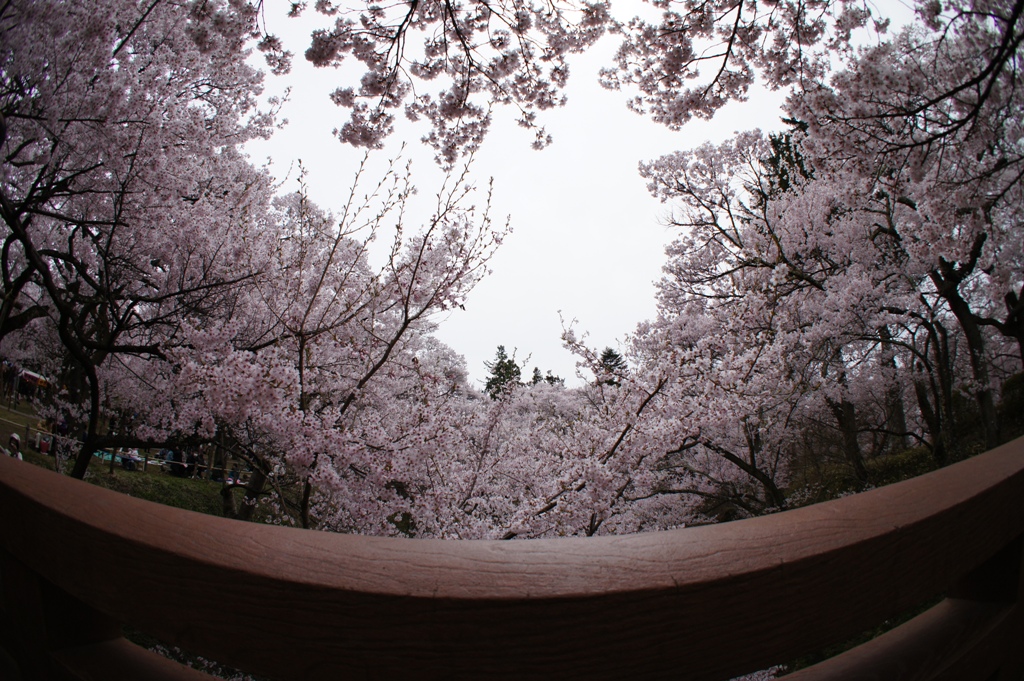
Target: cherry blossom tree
[(701, 55), (931, 117), (123, 192), (481, 54), (183, 299), (516, 54), (313, 377), (838, 254)]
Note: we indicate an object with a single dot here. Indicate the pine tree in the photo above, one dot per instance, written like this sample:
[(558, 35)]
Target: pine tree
[(505, 373), (549, 378), (612, 367)]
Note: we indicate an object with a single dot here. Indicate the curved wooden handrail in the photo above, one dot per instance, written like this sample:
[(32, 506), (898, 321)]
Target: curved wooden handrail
[(706, 602)]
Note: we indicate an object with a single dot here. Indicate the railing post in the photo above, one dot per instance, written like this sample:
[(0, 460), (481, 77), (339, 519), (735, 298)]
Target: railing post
[(38, 618)]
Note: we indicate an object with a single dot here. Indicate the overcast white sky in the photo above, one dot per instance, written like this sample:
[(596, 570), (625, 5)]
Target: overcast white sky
[(588, 240)]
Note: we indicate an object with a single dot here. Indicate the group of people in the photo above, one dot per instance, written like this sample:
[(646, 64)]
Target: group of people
[(181, 464), (184, 464)]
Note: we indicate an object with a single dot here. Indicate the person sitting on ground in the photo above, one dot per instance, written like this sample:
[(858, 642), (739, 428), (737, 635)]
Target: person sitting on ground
[(177, 465), (130, 459), (14, 447)]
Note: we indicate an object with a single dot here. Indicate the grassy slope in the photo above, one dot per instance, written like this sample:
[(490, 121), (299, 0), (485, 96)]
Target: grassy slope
[(153, 484)]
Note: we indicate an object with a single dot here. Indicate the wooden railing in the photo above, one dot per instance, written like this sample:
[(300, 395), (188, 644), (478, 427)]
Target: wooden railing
[(79, 562)]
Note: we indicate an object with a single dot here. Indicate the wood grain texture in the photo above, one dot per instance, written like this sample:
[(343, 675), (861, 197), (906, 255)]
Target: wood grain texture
[(704, 603)]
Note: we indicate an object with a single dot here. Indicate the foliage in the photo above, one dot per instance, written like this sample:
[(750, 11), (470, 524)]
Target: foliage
[(480, 53), (504, 374), (549, 378), (612, 366), (842, 306)]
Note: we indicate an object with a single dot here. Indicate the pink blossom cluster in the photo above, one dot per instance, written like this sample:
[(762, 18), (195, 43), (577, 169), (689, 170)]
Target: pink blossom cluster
[(480, 54)]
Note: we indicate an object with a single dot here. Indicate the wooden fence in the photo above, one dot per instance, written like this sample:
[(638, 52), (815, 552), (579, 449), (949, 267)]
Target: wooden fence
[(79, 563)]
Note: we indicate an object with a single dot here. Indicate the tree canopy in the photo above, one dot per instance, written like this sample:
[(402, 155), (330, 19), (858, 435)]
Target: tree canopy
[(847, 290)]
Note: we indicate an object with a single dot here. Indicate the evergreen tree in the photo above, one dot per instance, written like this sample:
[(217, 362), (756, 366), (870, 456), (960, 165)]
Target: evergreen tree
[(612, 367), (505, 373), (549, 378)]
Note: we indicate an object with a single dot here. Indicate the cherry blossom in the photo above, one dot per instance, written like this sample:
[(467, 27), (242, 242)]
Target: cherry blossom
[(844, 289)]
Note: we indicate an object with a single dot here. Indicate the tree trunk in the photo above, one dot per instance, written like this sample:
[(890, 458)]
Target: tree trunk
[(92, 429), (947, 279), (253, 491), (895, 416), (846, 417), (307, 493), (1014, 325), (979, 367)]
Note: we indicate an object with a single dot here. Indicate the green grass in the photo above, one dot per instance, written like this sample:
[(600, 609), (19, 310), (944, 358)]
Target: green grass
[(156, 485), (152, 484)]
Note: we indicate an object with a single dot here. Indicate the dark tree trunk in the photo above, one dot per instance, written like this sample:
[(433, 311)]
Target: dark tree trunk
[(947, 279), (895, 415), (846, 417), (979, 367), (253, 491)]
